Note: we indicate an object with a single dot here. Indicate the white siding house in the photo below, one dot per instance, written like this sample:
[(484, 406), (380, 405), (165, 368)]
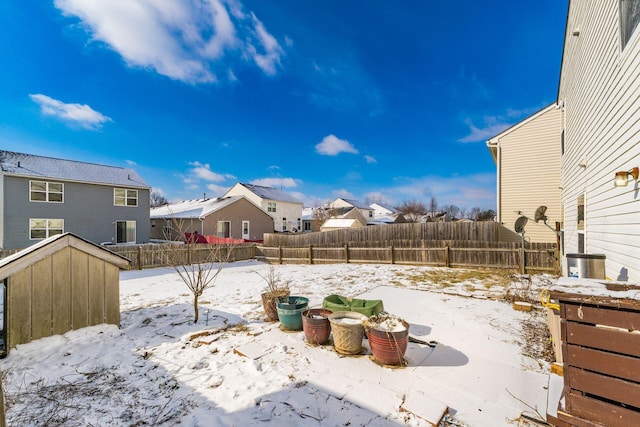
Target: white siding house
[(599, 93), (527, 157), (285, 209)]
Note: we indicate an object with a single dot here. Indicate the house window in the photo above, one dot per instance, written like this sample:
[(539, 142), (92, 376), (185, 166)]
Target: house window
[(581, 224), (307, 226), (629, 18), (271, 206), (42, 191), (125, 231), (299, 224), (224, 229), (125, 197), (42, 228)]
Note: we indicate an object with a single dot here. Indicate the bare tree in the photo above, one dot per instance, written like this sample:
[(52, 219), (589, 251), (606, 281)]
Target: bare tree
[(486, 215), (412, 210), (452, 211), (199, 268), (433, 207), (473, 213), (322, 212), (157, 199)]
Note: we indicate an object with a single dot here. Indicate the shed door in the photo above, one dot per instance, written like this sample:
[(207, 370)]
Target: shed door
[(245, 230)]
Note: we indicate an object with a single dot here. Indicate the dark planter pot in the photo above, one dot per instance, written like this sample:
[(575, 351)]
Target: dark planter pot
[(269, 303), (388, 348), (316, 326), (290, 312)]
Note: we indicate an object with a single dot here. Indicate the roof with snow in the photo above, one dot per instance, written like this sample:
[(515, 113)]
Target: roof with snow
[(269, 193), (339, 223), (197, 208), (354, 203), (32, 166), (383, 210)]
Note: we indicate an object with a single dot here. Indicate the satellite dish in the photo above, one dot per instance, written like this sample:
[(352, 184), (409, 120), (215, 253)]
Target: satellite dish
[(539, 215), (520, 223)]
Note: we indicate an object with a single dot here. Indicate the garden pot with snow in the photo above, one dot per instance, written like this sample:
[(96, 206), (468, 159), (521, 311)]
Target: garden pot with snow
[(388, 338), (290, 310), (348, 331), (316, 326)]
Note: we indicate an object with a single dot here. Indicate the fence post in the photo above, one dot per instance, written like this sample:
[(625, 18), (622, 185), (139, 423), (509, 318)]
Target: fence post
[(140, 261), (391, 255), (346, 254), (279, 254), (446, 256), (310, 254), (189, 254)]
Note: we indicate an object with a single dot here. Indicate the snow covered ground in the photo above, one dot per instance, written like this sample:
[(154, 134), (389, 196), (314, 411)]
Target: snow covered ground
[(234, 369)]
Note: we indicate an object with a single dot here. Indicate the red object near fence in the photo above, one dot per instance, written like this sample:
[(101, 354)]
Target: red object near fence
[(214, 240)]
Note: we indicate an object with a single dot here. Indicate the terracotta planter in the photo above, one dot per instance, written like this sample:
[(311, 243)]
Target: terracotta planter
[(389, 346), (316, 326), (348, 331), (270, 304)]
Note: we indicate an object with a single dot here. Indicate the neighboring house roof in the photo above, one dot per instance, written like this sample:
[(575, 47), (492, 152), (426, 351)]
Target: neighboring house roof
[(383, 210), (36, 252), (32, 166), (197, 208), (269, 193), (352, 202)]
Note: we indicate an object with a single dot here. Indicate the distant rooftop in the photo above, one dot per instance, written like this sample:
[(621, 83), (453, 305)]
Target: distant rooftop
[(197, 208), (33, 166), (270, 193)]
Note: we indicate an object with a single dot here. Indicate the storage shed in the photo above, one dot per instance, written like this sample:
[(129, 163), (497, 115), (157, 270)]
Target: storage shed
[(61, 283)]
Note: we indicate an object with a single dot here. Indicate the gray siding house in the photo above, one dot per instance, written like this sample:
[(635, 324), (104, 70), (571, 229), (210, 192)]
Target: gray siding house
[(43, 196)]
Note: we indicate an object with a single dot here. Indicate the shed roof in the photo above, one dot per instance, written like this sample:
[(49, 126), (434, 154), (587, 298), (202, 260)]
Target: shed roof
[(340, 223), (197, 208), (33, 166), (53, 244)]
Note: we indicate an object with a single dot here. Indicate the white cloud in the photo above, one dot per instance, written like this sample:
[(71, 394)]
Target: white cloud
[(370, 159), (269, 59), (217, 190), (379, 197), (275, 182), (344, 194), (492, 127), (131, 163), (203, 171), (182, 40), (77, 114), (332, 146)]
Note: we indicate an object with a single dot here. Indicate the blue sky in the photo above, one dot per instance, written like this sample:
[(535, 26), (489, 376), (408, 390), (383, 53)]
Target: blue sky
[(377, 100)]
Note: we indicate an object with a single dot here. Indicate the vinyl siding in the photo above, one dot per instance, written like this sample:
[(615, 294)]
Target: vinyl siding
[(88, 211), (600, 87), (529, 174)]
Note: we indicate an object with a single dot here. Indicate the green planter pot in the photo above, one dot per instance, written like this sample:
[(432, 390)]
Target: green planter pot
[(290, 312), (368, 307)]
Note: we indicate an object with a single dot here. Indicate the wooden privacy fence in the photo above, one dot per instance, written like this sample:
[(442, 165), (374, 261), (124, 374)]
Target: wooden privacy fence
[(487, 231), (538, 257), (162, 255)]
